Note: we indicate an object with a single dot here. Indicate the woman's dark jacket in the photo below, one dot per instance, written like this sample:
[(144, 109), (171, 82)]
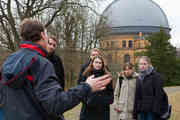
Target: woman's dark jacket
[(150, 96), (96, 105)]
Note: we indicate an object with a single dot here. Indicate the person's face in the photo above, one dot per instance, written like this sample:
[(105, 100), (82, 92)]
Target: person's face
[(51, 46), (93, 54), (128, 72), (97, 64), (143, 65)]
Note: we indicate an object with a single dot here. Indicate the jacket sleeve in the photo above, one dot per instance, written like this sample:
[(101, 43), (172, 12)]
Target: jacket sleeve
[(117, 92), (52, 96), (109, 94)]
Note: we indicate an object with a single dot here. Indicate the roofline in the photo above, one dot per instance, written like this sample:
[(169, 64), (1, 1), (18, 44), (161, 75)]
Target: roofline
[(137, 29)]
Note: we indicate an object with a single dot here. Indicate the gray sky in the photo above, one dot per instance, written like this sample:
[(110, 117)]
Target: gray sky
[(171, 9)]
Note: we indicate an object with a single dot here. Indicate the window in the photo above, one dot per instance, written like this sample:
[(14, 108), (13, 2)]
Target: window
[(109, 58), (130, 44), (126, 58), (124, 44)]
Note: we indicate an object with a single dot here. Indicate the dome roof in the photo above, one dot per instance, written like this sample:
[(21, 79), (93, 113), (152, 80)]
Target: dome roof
[(126, 16)]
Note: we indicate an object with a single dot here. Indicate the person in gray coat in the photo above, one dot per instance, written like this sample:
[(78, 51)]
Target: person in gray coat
[(124, 93), (29, 80)]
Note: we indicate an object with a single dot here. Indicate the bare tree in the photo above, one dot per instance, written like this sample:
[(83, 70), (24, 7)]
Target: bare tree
[(75, 23), (78, 29), (13, 11)]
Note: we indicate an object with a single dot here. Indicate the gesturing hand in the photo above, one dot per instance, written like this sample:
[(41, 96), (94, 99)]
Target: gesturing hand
[(98, 83)]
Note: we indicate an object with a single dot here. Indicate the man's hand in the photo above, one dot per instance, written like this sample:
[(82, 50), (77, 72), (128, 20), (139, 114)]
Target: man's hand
[(98, 83)]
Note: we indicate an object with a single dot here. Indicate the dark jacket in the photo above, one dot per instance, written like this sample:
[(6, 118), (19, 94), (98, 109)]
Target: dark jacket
[(96, 105), (16, 103), (59, 69), (150, 96)]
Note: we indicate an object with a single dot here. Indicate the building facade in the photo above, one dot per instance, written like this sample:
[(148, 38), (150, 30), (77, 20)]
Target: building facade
[(130, 22)]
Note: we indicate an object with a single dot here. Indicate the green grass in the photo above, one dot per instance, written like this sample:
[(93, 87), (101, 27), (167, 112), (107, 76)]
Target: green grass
[(174, 99), (73, 114)]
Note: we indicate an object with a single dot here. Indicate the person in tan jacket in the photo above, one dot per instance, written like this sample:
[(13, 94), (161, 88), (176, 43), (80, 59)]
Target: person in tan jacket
[(124, 93)]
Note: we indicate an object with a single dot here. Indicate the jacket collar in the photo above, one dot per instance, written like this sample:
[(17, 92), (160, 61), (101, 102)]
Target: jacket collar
[(134, 75), (35, 47)]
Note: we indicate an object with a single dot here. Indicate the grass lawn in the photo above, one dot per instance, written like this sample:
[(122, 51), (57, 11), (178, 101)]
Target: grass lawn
[(174, 99), (73, 114)]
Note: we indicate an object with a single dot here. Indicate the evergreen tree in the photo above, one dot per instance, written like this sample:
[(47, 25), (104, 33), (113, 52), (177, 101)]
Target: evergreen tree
[(162, 54)]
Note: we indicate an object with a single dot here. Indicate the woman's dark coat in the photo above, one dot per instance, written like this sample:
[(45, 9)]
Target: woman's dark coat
[(96, 105), (150, 96)]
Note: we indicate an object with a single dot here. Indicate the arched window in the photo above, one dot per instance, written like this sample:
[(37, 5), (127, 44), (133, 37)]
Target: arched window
[(130, 44), (107, 44), (126, 58)]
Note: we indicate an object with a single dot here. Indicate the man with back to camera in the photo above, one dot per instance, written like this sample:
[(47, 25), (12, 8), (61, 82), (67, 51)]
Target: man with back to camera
[(17, 104)]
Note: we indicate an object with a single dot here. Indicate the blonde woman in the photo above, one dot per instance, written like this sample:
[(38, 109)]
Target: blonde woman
[(151, 102)]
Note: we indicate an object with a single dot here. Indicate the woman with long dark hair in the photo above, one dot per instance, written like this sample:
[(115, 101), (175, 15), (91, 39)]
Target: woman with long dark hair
[(97, 105)]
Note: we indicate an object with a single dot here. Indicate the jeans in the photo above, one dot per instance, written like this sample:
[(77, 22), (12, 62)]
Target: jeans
[(1, 114), (145, 116)]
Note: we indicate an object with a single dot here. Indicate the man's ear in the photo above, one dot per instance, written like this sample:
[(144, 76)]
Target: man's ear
[(43, 36)]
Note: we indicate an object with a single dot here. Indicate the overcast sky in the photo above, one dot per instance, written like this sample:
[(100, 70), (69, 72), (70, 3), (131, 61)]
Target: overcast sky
[(171, 9)]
